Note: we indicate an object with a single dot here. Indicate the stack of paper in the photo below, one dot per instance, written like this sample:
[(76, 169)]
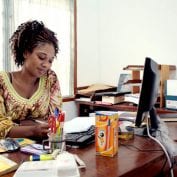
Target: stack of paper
[(78, 124)]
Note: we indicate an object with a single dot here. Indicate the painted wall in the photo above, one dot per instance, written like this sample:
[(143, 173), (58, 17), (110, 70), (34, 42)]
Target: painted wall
[(116, 33), (87, 45), (70, 109), (112, 34)]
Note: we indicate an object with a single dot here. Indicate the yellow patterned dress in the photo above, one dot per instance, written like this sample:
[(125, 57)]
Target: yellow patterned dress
[(14, 108)]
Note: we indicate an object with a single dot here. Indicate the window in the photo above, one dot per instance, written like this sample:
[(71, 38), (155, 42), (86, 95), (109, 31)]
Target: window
[(1, 41), (58, 15)]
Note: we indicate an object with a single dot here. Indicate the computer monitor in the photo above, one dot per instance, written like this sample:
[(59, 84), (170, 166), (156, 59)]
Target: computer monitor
[(157, 129), (148, 95)]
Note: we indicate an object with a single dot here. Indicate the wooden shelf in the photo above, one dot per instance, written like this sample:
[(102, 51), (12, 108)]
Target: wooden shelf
[(135, 69), (86, 107), (164, 70)]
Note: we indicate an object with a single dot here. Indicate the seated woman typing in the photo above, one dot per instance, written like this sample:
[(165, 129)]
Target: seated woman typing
[(33, 92)]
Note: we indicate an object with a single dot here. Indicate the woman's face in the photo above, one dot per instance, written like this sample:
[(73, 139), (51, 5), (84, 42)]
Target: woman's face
[(40, 60)]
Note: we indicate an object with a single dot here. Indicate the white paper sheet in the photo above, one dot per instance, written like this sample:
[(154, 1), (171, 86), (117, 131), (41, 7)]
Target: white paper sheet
[(78, 124)]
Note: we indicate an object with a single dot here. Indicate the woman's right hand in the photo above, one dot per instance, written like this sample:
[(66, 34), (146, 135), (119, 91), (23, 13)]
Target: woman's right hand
[(37, 130), (41, 130)]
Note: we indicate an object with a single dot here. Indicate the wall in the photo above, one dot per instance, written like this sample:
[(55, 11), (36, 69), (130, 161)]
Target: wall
[(87, 46), (115, 33), (70, 109)]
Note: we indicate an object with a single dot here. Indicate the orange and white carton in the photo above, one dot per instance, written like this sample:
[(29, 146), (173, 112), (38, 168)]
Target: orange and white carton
[(106, 133)]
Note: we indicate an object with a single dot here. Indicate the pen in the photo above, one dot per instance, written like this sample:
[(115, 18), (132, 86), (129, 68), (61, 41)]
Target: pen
[(56, 112), (52, 123), (40, 121), (36, 120), (108, 134), (61, 120)]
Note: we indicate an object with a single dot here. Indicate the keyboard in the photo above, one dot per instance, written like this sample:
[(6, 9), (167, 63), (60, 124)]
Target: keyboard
[(81, 139)]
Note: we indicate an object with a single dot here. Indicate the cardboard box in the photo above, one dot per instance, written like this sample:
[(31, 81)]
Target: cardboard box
[(106, 134)]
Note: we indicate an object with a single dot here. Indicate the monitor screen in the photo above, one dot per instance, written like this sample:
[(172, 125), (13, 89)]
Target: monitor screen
[(148, 94), (157, 129)]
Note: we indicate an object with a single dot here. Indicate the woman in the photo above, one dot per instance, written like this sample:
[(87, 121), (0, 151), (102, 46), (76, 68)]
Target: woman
[(32, 92)]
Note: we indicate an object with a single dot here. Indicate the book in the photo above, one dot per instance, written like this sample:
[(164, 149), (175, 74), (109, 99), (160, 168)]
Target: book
[(83, 99), (114, 93), (113, 99), (133, 98), (90, 90), (24, 141), (120, 98), (7, 165)]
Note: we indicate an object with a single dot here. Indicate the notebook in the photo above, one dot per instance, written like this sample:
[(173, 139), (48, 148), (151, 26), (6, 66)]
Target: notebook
[(7, 165)]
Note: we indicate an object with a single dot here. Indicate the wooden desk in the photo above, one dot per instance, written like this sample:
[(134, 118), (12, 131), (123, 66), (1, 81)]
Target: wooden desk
[(86, 107), (129, 162)]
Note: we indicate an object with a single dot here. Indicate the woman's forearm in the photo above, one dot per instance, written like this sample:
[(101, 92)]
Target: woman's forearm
[(21, 131), (36, 130)]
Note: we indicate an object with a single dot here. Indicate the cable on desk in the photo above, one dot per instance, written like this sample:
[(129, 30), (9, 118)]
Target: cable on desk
[(162, 146)]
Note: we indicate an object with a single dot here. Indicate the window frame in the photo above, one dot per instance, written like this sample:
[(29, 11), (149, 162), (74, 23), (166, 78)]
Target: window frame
[(72, 98)]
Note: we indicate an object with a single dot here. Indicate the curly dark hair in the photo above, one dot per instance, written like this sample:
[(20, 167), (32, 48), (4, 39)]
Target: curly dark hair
[(28, 36)]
